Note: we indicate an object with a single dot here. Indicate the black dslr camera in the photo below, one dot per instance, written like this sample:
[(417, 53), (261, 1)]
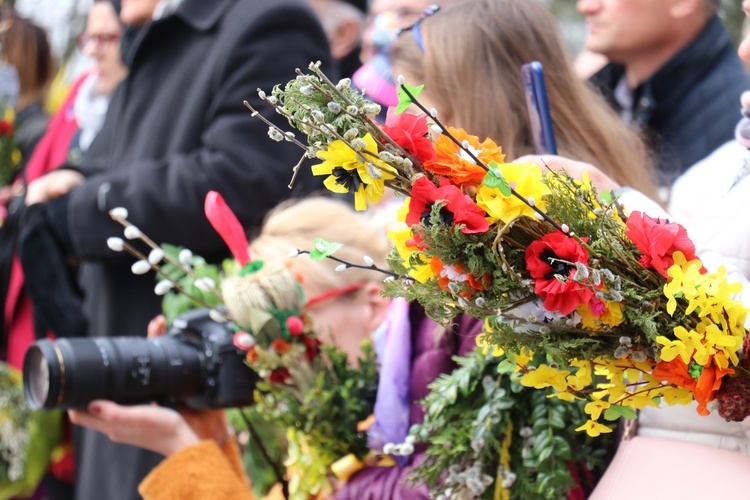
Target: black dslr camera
[(195, 364)]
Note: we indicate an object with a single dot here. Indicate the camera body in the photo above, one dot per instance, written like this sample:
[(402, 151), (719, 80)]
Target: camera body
[(195, 364)]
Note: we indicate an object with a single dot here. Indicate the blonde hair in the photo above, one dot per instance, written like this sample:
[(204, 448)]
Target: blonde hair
[(295, 226), (473, 52)]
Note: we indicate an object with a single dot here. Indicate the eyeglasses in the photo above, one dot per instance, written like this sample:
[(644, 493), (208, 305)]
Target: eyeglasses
[(338, 292), (415, 29), (105, 40)]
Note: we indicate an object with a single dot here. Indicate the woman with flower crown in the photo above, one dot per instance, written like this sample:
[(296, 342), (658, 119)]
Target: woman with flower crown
[(346, 304)]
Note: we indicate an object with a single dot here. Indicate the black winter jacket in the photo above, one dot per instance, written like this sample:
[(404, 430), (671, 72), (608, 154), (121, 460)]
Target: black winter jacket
[(177, 128)]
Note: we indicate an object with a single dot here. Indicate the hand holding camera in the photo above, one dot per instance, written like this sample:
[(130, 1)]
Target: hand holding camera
[(153, 427)]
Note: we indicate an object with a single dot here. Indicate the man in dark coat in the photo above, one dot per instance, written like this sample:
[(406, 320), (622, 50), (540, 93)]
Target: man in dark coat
[(176, 128), (673, 71)]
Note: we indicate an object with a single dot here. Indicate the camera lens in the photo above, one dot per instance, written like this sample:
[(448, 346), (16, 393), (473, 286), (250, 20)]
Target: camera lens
[(70, 373)]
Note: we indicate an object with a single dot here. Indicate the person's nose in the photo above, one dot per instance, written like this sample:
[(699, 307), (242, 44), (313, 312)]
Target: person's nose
[(588, 7)]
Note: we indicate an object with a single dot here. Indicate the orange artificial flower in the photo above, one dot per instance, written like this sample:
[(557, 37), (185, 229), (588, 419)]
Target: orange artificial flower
[(455, 272), (456, 165), (280, 346), (704, 389), (252, 355)]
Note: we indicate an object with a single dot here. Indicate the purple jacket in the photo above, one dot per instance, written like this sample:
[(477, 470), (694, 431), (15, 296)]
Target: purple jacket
[(432, 350)]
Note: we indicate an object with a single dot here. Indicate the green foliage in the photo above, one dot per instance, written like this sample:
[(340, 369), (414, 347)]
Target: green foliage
[(479, 415), (327, 403), (323, 249), (404, 100), (175, 303)]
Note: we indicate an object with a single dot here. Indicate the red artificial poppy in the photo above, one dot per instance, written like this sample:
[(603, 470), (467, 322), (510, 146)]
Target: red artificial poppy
[(410, 132), (543, 264), (658, 239), (280, 376), (458, 209)]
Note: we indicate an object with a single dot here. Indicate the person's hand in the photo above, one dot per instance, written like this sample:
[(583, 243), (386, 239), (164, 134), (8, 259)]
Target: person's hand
[(207, 424), (52, 185), (154, 428), (576, 169)]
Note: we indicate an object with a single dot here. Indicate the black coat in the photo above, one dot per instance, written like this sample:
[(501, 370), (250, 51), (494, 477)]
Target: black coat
[(177, 128), (690, 106)]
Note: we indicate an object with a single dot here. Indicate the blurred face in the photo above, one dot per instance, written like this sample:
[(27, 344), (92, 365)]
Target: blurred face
[(346, 318), (102, 42), (385, 19), (744, 48), (622, 29), (137, 12)]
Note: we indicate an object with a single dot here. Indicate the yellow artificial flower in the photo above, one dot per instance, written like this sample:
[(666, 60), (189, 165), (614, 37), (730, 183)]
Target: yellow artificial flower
[(613, 315), (582, 378), (526, 178), (414, 260), (594, 428), (484, 342), (595, 408), (684, 347), (348, 171), (522, 358), (546, 376)]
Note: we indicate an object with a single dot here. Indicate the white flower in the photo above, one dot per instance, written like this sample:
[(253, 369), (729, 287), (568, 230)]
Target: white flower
[(115, 244), (132, 232), (155, 256), (185, 257), (163, 287), (119, 213), (140, 267)]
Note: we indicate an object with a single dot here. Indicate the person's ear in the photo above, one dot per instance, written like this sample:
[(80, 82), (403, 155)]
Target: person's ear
[(344, 39), (376, 306)]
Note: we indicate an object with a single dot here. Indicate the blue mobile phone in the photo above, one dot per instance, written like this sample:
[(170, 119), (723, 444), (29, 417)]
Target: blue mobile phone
[(538, 107)]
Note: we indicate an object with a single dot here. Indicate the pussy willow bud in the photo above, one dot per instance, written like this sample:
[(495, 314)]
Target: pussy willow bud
[(132, 232), (119, 213), (155, 256), (163, 287), (140, 267), (115, 244)]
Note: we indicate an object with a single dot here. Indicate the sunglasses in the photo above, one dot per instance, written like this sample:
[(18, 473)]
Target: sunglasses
[(415, 29)]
